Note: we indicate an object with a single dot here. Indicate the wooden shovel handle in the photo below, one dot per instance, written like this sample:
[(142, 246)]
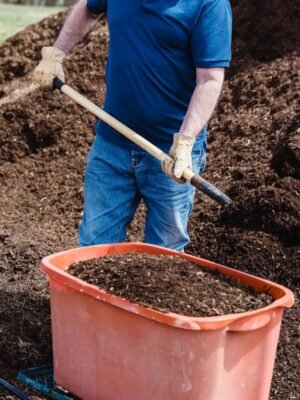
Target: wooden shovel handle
[(194, 179)]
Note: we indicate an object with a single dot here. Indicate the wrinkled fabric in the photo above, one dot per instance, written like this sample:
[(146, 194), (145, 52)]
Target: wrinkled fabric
[(117, 179), (155, 48)]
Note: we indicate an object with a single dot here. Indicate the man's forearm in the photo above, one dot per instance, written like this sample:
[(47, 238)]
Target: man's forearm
[(203, 102), (77, 25)]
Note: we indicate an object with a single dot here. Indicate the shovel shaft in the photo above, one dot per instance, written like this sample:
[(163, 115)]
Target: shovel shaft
[(195, 180)]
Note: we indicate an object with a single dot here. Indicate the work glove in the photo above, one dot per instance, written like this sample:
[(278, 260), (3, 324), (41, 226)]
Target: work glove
[(181, 152), (49, 67)]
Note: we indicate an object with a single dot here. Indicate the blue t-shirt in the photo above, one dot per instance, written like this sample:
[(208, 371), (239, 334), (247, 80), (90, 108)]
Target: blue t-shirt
[(154, 50)]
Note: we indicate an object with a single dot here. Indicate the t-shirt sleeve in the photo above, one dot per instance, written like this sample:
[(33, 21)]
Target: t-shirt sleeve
[(211, 35), (96, 6)]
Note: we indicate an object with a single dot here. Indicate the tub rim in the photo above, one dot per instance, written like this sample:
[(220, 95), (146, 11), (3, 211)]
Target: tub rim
[(56, 264)]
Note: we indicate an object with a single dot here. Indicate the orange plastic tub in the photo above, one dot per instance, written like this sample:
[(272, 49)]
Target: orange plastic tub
[(106, 348)]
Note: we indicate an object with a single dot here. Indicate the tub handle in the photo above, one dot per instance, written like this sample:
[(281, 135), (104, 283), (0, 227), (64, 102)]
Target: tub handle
[(250, 323)]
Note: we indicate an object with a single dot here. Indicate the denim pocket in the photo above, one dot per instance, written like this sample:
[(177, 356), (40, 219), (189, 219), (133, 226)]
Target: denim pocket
[(99, 156), (199, 161)]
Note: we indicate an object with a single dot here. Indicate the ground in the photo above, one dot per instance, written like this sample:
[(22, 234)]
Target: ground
[(254, 156), (14, 18)]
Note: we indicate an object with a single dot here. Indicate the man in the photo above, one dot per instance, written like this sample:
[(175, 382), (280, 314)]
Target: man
[(164, 74)]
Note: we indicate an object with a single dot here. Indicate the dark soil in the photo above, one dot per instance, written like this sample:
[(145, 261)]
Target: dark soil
[(169, 284), (269, 208), (253, 156), (286, 158)]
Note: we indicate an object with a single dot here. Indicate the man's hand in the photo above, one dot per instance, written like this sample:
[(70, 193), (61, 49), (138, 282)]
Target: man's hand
[(49, 67), (78, 23), (181, 152)]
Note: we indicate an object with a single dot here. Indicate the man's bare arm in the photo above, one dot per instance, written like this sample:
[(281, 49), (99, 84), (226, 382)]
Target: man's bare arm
[(77, 25), (204, 100), (202, 105)]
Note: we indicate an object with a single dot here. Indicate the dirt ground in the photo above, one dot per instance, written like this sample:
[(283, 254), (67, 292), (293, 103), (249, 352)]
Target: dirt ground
[(254, 156)]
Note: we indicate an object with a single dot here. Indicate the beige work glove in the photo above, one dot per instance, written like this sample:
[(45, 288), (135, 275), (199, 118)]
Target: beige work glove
[(181, 152), (49, 67)]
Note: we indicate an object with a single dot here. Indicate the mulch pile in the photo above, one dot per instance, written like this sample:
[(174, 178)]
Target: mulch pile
[(254, 145), (169, 284)]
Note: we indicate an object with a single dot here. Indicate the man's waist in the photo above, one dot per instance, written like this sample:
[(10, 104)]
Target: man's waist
[(163, 139)]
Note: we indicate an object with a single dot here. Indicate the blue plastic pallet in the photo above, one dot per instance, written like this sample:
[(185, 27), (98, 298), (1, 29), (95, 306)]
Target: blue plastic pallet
[(41, 379)]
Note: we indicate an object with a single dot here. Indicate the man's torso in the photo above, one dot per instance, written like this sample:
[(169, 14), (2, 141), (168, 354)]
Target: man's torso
[(151, 68)]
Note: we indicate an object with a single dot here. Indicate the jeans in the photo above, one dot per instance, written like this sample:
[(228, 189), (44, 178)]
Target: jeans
[(116, 180)]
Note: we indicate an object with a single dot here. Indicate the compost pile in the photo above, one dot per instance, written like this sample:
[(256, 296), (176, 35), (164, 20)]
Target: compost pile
[(169, 284), (254, 156)]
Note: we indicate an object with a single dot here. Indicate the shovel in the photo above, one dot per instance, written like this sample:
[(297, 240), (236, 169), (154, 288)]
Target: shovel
[(206, 187)]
